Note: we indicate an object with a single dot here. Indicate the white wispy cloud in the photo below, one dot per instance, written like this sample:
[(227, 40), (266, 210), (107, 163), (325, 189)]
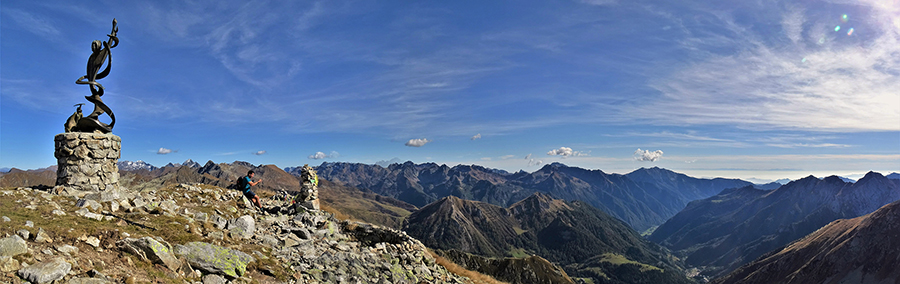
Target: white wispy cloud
[(417, 142), (33, 23), (566, 152), (647, 155), (258, 153), (477, 136), (792, 24), (825, 81), (163, 151)]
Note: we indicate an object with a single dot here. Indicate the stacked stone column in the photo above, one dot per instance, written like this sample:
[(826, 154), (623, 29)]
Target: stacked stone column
[(87, 161), (308, 197)]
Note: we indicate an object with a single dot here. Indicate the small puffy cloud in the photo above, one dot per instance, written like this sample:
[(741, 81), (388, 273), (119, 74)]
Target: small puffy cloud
[(647, 156), (163, 151), (477, 136), (417, 142), (321, 155), (566, 152), (259, 153), (528, 157)]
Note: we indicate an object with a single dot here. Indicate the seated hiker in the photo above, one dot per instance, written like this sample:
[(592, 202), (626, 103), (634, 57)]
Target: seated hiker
[(244, 184)]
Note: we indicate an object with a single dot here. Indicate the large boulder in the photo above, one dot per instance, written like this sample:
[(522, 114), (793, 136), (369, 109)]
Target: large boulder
[(13, 246), (46, 272), (153, 250), (214, 259)]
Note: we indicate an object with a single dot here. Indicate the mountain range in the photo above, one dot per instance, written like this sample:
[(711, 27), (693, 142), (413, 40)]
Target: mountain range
[(859, 250), (577, 217), (730, 229), (586, 241), (643, 198)]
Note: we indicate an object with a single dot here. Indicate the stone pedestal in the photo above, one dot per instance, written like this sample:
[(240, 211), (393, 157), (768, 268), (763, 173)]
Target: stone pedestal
[(87, 161)]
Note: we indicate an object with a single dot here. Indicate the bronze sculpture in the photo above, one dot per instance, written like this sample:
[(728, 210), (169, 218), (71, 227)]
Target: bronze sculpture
[(100, 54)]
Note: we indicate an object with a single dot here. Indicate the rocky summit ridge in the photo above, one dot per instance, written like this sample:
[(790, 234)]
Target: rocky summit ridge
[(193, 233)]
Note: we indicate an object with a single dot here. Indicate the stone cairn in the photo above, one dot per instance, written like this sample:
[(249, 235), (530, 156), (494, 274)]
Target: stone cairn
[(309, 193), (87, 161)]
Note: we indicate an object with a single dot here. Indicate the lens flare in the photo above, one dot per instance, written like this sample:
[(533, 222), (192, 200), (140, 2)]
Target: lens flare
[(821, 40), (837, 28), (850, 32), (844, 18), (803, 60)]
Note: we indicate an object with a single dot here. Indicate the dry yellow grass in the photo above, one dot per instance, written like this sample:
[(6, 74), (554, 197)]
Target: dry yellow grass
[(337, 214), (475, 276)]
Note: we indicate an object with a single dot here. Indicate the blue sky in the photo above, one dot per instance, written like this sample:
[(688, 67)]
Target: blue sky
[(748, 89)]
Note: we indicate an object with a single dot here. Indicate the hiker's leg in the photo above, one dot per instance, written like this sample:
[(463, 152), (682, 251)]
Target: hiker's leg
[(256, 200)]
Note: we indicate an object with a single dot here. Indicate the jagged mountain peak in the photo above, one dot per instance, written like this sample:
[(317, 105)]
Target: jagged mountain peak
[(136, 165), (190, 163), (871, 175)]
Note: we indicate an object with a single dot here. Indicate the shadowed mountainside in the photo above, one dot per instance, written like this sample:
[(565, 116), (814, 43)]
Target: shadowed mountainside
[(364, 206), (725, 231), (567, 233), (527, 270), (860, 250)]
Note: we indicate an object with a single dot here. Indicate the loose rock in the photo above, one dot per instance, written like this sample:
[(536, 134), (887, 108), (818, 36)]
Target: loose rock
[(214, 279), (13, 246), (8, 264), (150, 249), (243, 226), (42, 237), (46, 271)]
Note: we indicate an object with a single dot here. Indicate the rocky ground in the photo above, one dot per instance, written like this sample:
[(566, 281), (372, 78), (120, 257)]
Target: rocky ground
[(194, 233)]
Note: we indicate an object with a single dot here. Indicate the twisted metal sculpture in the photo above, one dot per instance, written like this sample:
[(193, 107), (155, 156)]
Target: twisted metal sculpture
[(100, 54)]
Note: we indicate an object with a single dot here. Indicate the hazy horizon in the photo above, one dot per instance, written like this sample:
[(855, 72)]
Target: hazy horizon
[(695, 174)]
